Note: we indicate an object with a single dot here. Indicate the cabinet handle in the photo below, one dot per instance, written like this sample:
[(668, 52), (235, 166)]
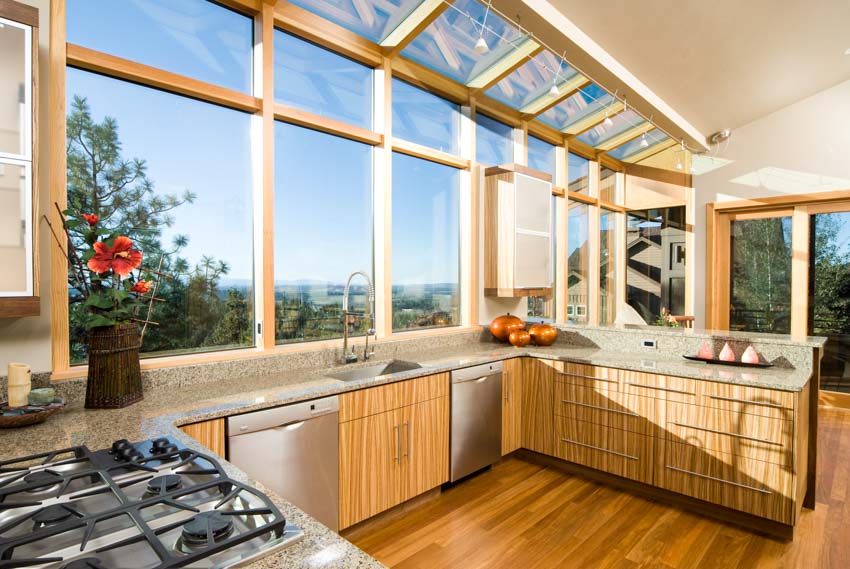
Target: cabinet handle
[(586, 377), (739, 485), (599, 448), (397, 457), (629, 413), (659, 388), (745, 437), (407, 450), (507, 375), (747, 401)]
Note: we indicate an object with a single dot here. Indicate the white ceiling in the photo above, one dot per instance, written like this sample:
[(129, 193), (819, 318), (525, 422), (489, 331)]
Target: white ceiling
[(723, 63)]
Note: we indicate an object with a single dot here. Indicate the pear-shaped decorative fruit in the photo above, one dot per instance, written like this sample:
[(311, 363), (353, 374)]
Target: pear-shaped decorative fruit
[(750, 356), (726, 354), (705, 352)]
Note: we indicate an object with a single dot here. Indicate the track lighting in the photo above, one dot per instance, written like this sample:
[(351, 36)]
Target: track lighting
[(554, 91), (644, 143), (481, 45), (679, 165), (607, 121)]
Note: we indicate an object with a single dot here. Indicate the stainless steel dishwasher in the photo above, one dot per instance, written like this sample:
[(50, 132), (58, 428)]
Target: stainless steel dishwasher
[(476, 434), (294, 451)]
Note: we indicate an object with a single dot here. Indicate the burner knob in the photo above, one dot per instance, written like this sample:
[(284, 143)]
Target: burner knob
[(129, 454), (163, 446), (120, 445)]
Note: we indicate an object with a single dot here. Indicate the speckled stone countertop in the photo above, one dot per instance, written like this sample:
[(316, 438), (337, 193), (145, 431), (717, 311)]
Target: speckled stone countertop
[(164, 409)]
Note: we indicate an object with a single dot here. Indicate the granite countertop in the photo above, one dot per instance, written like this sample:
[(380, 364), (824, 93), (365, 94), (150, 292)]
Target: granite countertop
[(164, 409)]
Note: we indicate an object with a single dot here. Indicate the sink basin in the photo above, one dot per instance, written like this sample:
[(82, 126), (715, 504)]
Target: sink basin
[(393, 366)]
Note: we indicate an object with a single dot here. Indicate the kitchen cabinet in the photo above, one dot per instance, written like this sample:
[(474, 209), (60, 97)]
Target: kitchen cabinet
[(209, 433), (394, 445), (538, 405), (512, 381), (517, 232)]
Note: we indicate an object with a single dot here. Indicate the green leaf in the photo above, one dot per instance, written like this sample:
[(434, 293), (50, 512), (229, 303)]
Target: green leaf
[(98, 300), (118, 295), (97, 321)]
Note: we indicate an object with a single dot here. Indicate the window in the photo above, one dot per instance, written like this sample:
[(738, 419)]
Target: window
[(423, 118), (607, 266), (313, 79), (608, 185), (655, 262), (578, 262), (541, 156), (195, 38), (369, 18), (494, 142), (578, 177), (322, 231), (172, 173), (426, 244)]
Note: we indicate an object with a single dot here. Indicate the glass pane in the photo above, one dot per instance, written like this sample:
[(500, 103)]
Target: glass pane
[(578, 176), (172, 172), (608, 185), (607, 267), (494, 143), (587, 101), (195, 38), (426, 244), (448, 44), (532, 81), (633, 147), (541, 156), (15, 122), (541, 307), (370, 19), (622, 122), (760, 296), (313, 79), (655, 260), (423, 118), (578, 262), (829, 305), (323, 232), (15, 229)]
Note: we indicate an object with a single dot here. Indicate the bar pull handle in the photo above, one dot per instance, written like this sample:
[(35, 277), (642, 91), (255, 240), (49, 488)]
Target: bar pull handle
[(746, 401), (507, 376), (407, 453), (738, 484), (745, 437), (629, 413), (659, 388), (600, 449)]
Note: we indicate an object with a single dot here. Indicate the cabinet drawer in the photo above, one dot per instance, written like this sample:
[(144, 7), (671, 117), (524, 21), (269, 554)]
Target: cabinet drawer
[(753, 486), (752, 436), (603, 448), (611, 409), (666, 387), (583, 375), (751, 400), (374, 400)]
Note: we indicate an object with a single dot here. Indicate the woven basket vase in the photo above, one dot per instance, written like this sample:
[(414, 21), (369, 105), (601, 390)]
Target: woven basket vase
[(115, 378)]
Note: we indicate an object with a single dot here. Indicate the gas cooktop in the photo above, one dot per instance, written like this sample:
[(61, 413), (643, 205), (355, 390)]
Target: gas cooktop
[(148, 505)]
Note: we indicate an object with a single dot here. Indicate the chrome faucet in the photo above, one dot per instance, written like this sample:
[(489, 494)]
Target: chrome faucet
[(351, 357)]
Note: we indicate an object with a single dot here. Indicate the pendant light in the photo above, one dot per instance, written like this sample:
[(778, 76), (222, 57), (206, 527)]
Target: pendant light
[(481, 45), (679, 165), (607, 121), (644, 143), (554, 91)]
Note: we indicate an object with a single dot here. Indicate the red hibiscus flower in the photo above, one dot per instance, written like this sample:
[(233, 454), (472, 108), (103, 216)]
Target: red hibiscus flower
[(121, 257), (91, 218), (142, 287)]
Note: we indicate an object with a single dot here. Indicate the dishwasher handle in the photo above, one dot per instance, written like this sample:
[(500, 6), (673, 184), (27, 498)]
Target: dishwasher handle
[(281, 416), (481, 379)]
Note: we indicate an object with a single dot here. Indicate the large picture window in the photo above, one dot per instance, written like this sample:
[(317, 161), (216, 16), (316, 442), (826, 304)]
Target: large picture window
[(426, 119), (608, 239), (494, 143), (541, 156), (322, 231), (426, 244), (578, 262), (174, 175), (578, 177)]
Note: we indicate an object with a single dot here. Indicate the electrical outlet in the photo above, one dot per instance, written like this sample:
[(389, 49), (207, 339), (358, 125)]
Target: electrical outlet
[(649, 344)]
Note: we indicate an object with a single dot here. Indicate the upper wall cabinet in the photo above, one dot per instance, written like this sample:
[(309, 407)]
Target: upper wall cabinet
[(517, 232), (18, 73)]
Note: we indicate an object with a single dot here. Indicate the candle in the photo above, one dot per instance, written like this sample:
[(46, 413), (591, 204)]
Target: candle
[(20, 383)]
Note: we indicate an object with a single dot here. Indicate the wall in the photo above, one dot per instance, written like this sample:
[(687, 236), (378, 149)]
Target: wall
[(28, 339), (803, 148)]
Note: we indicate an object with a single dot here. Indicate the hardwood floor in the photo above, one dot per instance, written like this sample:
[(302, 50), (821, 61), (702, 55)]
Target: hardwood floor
[(524, 515)]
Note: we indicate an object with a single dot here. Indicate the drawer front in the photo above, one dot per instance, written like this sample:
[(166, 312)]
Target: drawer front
[(669, 388), (603, 448), (374, 400), (583, 375), (750, 400), (611, 409), (759, 488)]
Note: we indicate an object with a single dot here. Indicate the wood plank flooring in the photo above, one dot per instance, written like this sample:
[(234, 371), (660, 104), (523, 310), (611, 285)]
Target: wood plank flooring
[(524, 515)]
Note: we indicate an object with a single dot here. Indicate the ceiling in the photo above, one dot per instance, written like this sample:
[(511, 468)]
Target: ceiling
[(725, 63)]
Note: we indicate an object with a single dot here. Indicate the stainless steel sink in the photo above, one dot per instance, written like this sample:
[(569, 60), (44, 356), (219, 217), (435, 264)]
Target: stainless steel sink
[(393, 366)]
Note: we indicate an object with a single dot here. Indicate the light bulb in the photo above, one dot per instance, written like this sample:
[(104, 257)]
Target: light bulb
[(481, 45), (607, 121), (643, 142), (554, 91), (679, 165)]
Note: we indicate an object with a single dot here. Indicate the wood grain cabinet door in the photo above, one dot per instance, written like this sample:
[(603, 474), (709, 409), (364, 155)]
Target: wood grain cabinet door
[(424, 446), (208, 433), (369, 466), (538, 406), (512, 405)]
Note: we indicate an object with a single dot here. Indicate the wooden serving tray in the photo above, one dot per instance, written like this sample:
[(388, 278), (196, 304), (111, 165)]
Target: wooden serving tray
[(32, 414), (725, 363)]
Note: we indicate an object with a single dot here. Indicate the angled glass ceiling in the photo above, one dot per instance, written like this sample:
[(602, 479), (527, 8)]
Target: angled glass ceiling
[(372, 19), (448, 44), (531, 81), (599, 134), (587, 101), (625, 151)]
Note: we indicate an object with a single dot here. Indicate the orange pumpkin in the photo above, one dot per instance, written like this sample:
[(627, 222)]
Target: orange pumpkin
[(519, 338), (543, 334), (502, 326)]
